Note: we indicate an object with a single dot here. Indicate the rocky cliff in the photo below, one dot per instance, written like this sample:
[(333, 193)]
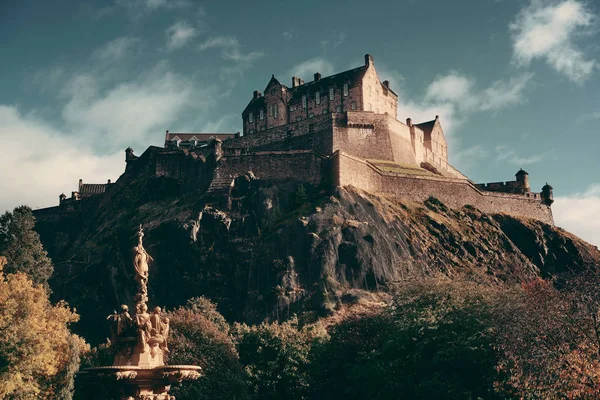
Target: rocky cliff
[(265, 251)]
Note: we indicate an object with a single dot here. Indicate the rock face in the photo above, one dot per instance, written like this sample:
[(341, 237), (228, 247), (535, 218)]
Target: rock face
[(265, 251)]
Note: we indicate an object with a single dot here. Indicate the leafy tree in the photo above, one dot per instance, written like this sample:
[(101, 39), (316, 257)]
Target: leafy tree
[(22, 246), (200, 336), (275, 358), (433, 343), (38, 354), (551, 339)]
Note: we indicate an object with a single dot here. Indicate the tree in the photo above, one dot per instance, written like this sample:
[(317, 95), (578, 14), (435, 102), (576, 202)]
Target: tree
[(38, 353), (551, 339), (200, 336), (433, 343), (276, 357), (22, 246)]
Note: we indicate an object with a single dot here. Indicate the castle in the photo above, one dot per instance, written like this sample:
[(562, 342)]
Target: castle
[(336, 131)]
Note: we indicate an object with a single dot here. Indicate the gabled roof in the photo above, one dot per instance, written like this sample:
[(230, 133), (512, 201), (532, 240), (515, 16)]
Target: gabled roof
[(90, 189), (352, 75), (428, 126), (201, 137)]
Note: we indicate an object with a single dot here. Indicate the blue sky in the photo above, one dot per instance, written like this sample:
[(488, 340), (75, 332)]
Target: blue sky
[(516, 83)]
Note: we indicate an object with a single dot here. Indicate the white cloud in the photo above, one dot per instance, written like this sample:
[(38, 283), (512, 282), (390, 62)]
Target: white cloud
[(460, 90), (334, 40), (45, 162), (116, 49), (547, 30), (509, 155), (580, 214), (230, 49), (466, 157), (306, 69), (128, 111), (179, 34), (141, 8)]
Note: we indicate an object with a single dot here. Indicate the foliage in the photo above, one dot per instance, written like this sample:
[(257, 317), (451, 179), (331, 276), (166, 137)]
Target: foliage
[(199, 336), (551, 339), (38, 354), (275, 358), (434, 343), (22, 246), (300, 197)]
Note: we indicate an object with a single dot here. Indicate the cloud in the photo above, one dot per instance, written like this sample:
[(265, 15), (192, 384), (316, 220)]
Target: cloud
[(334, 40), (306, 69), (142, 8), (179, 34), (579, 213), (509, 155), (230, 49), (461, 91), (116, 49), (588, 117), (288, 35), (466, 157), (547, 30), (46, 162), (128, 111)]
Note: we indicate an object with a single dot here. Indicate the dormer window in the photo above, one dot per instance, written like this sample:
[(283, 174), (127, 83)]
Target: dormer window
[(346, 89), (303, 101), (331, 93), (261, 114), (318, 97), (251, 118)]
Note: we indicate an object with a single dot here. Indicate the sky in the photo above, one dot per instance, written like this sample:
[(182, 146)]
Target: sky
[(516, 83)]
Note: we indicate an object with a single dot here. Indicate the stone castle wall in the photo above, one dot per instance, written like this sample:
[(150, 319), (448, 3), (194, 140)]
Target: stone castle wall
[(456, 193), (303, 165)]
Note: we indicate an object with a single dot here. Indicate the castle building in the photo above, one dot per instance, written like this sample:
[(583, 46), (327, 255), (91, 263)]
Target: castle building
[(338, 130)]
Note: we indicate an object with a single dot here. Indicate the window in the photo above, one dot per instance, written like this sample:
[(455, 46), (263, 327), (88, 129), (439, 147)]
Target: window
[(325, 111), (303, 101), (346, 89), (311, 115), (251, 131), (298, 119), (270, 110), (331, 93), (275, 110), (353, 105), (318, 97), (293, 108), (251, 118), (338, 109), (261, 114)]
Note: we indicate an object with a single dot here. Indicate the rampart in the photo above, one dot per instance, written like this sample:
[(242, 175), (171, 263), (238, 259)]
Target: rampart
[(456, 193), (303, 165)]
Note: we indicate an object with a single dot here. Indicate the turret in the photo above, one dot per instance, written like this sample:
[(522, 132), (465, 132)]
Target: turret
[(547, 195), (61, 198), (523, 180), (129, 158)]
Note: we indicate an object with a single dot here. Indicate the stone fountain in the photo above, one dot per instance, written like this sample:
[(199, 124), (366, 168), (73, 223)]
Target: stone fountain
[(139, 344)]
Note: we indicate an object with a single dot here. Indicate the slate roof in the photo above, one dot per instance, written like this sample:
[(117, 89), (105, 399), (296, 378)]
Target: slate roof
[(90, 189), (426, 127), (202, 137)]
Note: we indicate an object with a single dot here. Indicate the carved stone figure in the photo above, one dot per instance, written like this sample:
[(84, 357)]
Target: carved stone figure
[(121, 322), (144, 327), (140, 263)]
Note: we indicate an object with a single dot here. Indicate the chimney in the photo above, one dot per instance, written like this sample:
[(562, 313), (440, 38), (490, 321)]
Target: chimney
[(255, 95), (80, 184), (368, 59), (408, 122), (109, 182), (437, 117), (295, 81), (386, 84), (317, 76)]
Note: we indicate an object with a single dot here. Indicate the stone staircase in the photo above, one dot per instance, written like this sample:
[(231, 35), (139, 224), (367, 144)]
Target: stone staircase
[(219, 186)]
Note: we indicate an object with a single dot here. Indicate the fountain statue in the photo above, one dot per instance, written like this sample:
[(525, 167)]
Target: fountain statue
[(139, 344)]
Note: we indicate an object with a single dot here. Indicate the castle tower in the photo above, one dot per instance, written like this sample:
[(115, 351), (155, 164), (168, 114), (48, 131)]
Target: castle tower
[(547, 195), (523, 180)]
